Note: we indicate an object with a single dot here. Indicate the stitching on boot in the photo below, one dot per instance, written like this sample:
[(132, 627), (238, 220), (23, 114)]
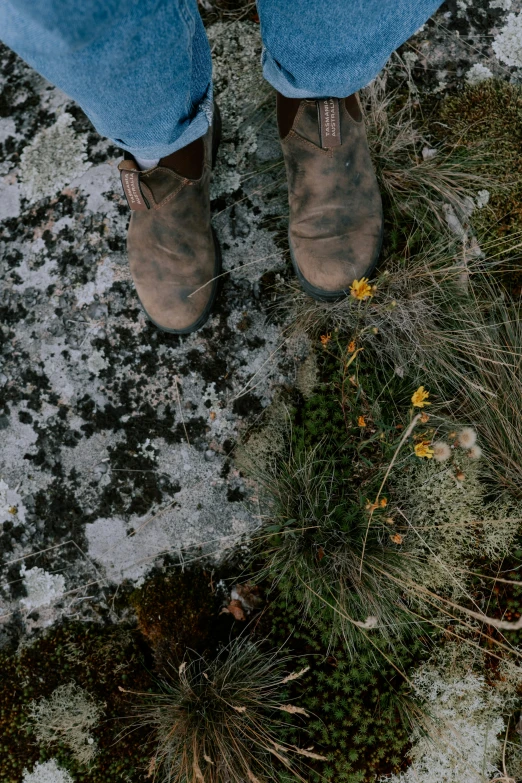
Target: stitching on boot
[(315, 147), (174, 193)]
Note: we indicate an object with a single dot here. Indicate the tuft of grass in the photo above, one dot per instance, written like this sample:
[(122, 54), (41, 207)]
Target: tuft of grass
[(479, 368), (329, 541), (219, 721), (420, 172)]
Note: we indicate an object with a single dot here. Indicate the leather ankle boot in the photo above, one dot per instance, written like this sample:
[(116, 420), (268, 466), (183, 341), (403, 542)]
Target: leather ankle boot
[(173, 253), (335, 227)]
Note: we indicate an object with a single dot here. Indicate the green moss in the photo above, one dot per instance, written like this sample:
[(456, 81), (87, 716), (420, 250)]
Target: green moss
[(485, 121), (359, 710), (101, 660)]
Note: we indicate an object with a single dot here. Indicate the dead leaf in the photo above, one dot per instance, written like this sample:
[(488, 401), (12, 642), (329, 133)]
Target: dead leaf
[(152, 767), (197, 771), (370, 622), (207, 759), (248, 594), (239, 709), (301, 752), (235, 609), (293, 710), (320, 553), (295, 675)]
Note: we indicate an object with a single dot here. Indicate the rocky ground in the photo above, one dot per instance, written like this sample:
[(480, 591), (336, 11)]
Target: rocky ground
[(116, 439)]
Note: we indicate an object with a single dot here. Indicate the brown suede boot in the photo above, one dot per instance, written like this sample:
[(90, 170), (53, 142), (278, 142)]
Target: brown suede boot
[(335, 230), (173, 253)]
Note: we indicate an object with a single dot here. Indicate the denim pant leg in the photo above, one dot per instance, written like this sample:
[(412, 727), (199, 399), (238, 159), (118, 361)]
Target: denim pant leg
[(140, 69), (318, 48)]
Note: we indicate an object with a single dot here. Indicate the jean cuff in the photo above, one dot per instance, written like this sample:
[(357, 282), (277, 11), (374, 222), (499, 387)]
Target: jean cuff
[(198, 127), (284, 82)]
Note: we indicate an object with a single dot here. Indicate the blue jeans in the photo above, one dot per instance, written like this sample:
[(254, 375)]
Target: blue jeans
[(141, 69)]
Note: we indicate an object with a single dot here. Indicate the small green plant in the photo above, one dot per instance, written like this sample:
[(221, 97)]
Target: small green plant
[(220, 721), (330, 540)]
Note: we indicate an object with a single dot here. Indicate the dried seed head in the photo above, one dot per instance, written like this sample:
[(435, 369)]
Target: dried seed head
[(467, 437), (475, 452), (441, 451)]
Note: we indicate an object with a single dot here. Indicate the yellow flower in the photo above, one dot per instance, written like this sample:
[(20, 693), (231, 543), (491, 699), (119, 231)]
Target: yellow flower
[(325, 339), (423, 449), (419, 398), (360, 289), (397, 538), (383, 502), (351, 347), (361, 421)]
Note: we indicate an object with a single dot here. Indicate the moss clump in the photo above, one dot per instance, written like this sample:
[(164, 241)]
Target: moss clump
[(99, 660), (360, 709), (175, 612), (485, 121)]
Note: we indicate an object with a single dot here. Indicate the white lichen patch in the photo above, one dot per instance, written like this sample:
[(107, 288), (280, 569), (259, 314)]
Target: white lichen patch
[(69, 715), (478, 73), (42, 588), (199, 515), (36, 275), (52, 160), (508, 44), (460, 739), (12, 508), (482, 198), (504, 5), (240, 90), (97, 183), (48, 772), (450, 517), (97, 362)]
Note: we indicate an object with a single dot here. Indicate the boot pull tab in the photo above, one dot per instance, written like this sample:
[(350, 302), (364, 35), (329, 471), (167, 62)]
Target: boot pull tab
[(329, 122), (130, 179)]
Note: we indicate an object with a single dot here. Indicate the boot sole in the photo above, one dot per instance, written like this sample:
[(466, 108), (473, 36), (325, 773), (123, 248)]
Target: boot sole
[(203, 318), (319, 294)]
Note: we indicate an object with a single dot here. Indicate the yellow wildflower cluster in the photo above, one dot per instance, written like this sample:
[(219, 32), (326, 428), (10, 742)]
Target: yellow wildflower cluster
[(420, 398), (325, 339), (361, 289), (423, 449)]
